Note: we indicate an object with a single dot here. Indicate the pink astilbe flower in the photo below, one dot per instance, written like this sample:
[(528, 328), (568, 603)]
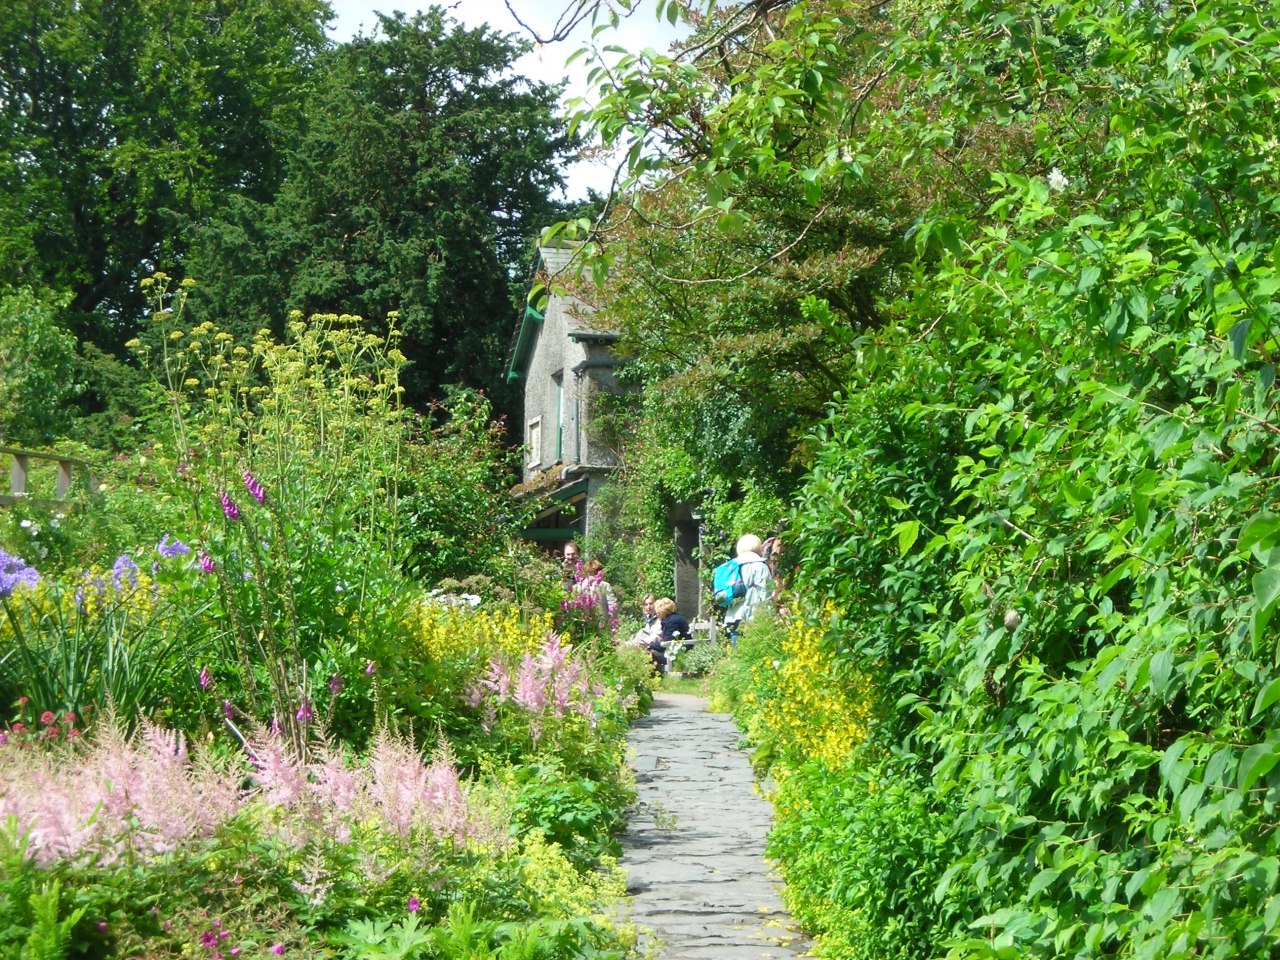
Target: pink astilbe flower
[(280, 775), (144, 794), (338, 785), (498, 679), (407, 793), (531, 690), (474, 694)]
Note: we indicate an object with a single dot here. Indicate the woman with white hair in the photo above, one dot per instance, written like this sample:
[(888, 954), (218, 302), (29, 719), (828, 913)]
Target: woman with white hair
[(758, 581)]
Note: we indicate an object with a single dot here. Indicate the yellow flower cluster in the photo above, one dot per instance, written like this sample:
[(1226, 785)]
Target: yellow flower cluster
[(820, 714), (460, 633)]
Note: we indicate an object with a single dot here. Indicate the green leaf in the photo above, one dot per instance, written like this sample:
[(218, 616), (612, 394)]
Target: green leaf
[(908, 531), (896, 503), (1230, 403), (949, 238), (1272, 913), (1266, 589), (1161, 670), (1257, 762), (1258, 530), (1269, 695), (1238, 336)]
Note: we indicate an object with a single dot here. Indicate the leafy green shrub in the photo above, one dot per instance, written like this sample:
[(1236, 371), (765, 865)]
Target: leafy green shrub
[(863, 849)]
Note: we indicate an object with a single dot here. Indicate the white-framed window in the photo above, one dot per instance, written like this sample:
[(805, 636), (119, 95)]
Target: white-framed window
[(533, 438)]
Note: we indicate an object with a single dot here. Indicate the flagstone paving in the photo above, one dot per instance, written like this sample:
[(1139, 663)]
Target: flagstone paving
[(694, 849)]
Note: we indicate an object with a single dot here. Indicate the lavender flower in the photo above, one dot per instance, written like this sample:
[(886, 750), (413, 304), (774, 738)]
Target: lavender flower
[(206, 678), (124, 570), (229, 508), (14, 572), (254, 488), (169, 550), (206, 562)]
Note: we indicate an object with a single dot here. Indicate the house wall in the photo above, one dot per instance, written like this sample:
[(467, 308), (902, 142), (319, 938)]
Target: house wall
[(556, 393)]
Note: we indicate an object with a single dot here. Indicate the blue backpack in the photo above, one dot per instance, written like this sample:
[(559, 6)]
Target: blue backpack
[(727, 584)]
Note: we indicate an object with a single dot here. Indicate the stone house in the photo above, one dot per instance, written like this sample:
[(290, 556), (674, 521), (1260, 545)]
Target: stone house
[(566, 365)]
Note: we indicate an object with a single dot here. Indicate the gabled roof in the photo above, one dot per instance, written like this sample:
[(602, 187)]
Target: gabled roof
[(554, 260)]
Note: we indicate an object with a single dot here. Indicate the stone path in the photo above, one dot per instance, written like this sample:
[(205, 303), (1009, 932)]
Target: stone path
[(701, 883)]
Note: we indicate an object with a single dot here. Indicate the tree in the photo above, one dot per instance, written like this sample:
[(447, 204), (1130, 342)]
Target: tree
[(425, 168), (122, 122), (36, 363)]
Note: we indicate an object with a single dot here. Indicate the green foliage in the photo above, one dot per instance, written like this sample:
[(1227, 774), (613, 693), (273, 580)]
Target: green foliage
[(424, 168), (36, 363), (123, 123), (1041, 506), (50, 938), (118, 647), (875, 898), (581, 815)]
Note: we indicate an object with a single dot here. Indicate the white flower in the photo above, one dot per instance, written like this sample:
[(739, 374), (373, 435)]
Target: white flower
[(1058, 180), (54, 524), (44, 552), (144, 460), (777, 664), (25, 524)]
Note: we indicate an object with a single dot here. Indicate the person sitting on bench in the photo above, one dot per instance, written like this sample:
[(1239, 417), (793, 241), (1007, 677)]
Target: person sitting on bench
[(675, 628)]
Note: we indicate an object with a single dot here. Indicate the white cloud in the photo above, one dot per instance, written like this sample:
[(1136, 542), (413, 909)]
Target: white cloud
[(642, 29)]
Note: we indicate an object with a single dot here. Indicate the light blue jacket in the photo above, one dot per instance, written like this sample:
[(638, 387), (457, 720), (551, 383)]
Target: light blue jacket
[(759, 584)]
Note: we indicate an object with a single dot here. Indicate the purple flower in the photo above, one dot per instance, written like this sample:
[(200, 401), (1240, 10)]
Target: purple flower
[(206, 678), (275, 726), (305, 713), (229, 508), (335, 684), (228, 709), (14, 571), (277, 949), (169, 550), (369, 669), (124, 570), (102, 926), (206, 562), (254, 488), (208, 939), (414, 904)]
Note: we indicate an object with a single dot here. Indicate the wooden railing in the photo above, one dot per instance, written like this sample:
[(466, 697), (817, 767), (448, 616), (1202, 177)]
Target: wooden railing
[(19, 475)]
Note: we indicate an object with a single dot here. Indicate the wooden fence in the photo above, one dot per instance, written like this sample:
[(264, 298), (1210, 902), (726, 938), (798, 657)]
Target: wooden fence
[(20, 474)]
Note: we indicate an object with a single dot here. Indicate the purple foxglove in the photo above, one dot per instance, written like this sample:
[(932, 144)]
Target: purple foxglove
[(254, 488), (229, 508)]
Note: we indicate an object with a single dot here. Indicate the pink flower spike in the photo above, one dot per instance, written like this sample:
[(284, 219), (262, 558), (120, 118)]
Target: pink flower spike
[(206, 678), (229, 508), (206, 562), (254, 488)]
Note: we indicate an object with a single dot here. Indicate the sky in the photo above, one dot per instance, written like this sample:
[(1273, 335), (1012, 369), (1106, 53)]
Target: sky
[(642, 29)]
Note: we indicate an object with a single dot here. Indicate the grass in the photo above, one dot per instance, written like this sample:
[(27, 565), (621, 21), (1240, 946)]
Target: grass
[(697, 686)]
